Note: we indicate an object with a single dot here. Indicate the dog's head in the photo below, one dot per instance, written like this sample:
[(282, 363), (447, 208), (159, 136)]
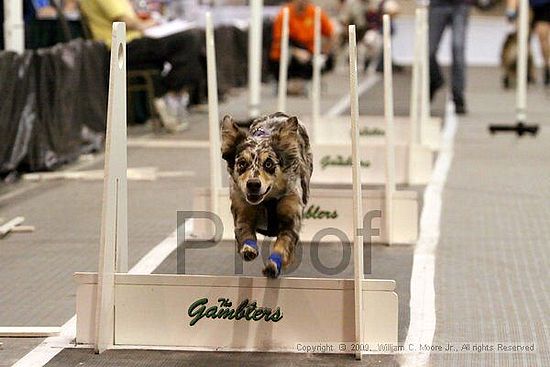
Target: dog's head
[(257, 163)]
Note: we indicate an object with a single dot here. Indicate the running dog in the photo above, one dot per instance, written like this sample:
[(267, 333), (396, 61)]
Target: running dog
[(270, 166)]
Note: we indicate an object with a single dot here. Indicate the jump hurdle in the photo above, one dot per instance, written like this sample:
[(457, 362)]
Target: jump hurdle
[(416, 136), (327, 206), (223, 313)]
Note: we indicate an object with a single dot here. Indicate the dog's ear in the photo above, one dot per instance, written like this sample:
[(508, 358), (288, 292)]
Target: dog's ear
[(288, 130), (285, 142), (232, 136)]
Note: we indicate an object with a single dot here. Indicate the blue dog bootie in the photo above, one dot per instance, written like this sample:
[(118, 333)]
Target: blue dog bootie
[(249, 250), (274, 265)]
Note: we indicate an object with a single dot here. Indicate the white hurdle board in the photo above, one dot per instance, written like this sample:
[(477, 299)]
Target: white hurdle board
[(153, 311), (335, 129), (332, 162), (416, 136), (191, 312), (327, 208)]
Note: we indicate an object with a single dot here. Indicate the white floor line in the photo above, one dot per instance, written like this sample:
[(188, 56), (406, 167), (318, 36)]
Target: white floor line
[(422, 303), (340, 107), (51, 346)]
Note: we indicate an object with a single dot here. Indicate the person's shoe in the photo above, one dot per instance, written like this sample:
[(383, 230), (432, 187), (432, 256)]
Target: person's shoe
[(547, 76), (460, 106), (169, 115)]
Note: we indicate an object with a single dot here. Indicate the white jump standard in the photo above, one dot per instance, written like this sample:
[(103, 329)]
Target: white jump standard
[(120, 310), (521, 126)]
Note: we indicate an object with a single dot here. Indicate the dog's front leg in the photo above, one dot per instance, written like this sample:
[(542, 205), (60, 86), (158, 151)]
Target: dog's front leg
[(244, 216), (289, 215)]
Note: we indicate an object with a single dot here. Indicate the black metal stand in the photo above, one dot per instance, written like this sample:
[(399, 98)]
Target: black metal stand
[(520, 129)]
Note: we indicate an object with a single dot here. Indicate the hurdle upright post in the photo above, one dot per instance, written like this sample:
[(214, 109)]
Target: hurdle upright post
[(213, 118), (415, 95), (520, 127), (357, 197), (425, 76), (14, 26), (316, 77), (414, 101), (113, 249), (255, 57), (523, 39), (390, 140), (283, 64)]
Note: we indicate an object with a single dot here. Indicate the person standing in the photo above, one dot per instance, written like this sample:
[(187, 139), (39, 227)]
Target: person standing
[(454, 14)]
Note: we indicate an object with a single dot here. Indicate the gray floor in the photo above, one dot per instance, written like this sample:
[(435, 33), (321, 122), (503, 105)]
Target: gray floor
[(36, 286), (491, 279)]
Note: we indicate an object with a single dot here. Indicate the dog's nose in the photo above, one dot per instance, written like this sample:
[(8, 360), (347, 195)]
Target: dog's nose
[(253, 185)]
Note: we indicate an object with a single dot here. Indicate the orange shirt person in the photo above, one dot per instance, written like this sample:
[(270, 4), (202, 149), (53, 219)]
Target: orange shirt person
[(301, 31)]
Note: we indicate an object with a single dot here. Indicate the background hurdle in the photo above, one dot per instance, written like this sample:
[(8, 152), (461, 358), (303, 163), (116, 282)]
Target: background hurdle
[(414, 145), (326, 206), (119, 310)]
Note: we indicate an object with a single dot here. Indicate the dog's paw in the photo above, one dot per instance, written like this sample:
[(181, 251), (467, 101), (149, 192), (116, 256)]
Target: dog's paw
[(273, 267), (249, 250)]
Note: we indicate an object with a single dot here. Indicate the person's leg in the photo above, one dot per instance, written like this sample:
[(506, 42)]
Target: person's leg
[(141, 54), (169, 103), (459, 25), (183, 52), (542, 29), (438, 19)]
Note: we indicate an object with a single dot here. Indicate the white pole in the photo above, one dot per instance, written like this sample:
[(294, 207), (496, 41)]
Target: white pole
[(357, 197), (14, 26), (213, 116), (113, 249), (255, 57), (390, 142), (283, 64), (415, 102), (415, 79), (316, 81), (425, 90), (523, 39)]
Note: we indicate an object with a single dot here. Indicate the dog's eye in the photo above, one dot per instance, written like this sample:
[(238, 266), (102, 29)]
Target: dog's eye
[(269, 164), (241, 165)]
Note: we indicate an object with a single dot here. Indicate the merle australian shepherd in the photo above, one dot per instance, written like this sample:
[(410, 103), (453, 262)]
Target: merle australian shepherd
[(270, 166)]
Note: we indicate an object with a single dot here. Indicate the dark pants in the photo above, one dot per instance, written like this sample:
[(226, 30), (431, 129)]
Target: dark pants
[(455, 16), (181, 50), (298, 69)]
